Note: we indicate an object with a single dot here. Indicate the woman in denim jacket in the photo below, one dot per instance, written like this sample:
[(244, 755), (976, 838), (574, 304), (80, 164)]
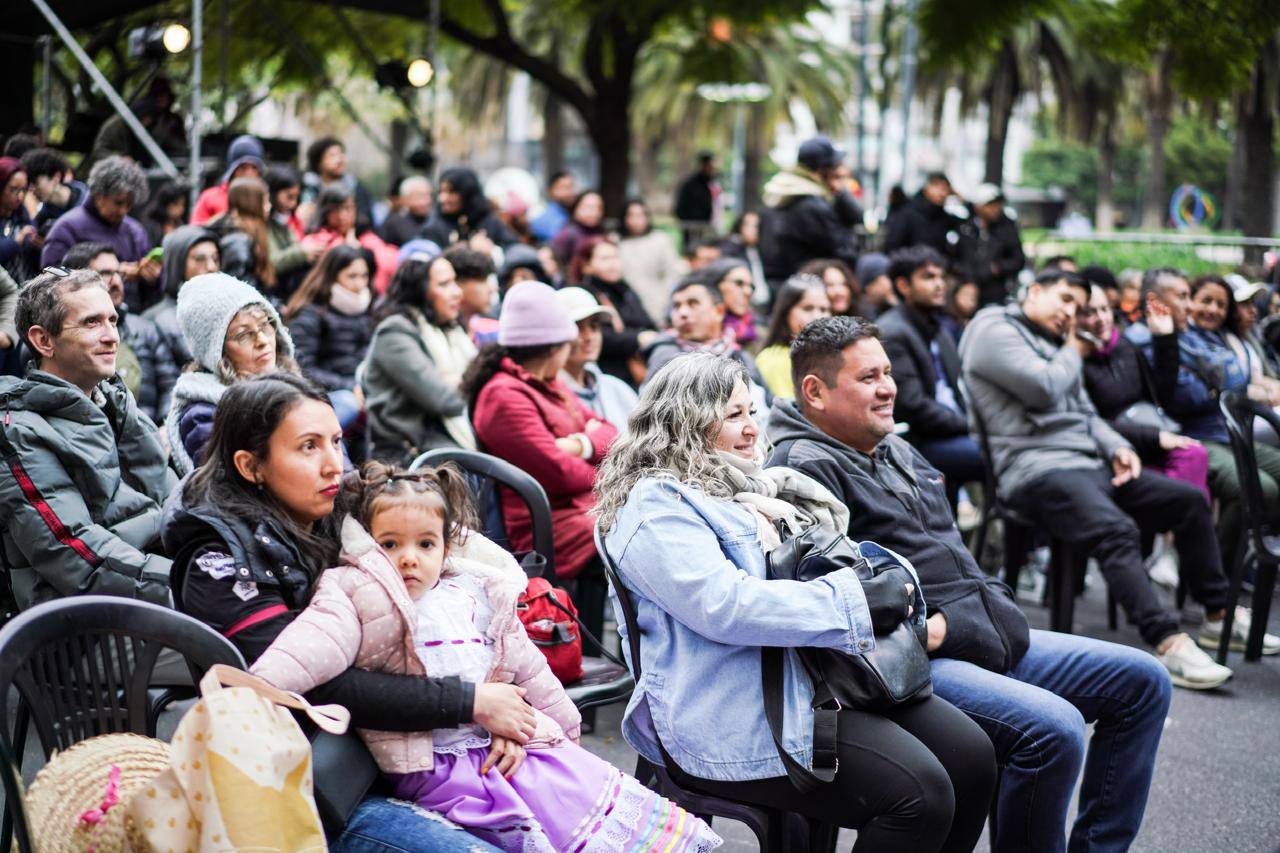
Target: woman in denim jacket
[(688, 514)]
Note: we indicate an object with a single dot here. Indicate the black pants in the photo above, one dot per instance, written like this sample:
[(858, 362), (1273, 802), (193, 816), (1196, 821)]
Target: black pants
[(1081, 506), (918, 779)]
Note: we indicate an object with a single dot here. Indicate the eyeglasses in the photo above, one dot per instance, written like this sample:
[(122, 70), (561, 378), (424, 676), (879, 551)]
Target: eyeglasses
[(248, 336), (59, 272)]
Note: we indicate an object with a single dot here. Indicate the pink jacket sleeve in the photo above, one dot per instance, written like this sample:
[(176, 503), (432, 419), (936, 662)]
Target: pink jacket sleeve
[(317, 646), (544, 690)]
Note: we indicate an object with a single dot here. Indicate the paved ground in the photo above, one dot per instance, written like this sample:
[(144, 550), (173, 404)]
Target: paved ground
[(1217, 783)]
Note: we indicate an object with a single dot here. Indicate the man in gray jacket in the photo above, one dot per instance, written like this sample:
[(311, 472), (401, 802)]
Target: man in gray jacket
[(84, 472), (1075, 476)]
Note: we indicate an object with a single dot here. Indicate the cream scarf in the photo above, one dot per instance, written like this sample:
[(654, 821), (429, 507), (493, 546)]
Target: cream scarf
[(782, 495), (451, 350)]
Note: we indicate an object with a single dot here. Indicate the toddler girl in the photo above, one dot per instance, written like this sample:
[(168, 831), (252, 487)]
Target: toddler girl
[(418, 593)]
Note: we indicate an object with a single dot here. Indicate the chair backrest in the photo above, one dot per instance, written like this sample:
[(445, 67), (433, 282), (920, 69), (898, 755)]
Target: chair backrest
[(990, 485), (1239, 411), (625, 603), (83, 664), (485, 471)]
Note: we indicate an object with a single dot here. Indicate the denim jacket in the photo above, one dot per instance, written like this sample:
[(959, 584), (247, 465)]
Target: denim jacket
[(696, 569), (1207, 368)]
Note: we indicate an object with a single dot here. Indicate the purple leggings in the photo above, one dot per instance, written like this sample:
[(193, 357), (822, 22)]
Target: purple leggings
[(1188, 464)]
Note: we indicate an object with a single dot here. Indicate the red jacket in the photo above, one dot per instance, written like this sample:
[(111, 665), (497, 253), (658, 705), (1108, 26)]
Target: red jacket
[(518, 418), (212, 202)]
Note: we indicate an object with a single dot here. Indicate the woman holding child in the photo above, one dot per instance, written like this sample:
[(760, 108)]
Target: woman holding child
[(420, 639)]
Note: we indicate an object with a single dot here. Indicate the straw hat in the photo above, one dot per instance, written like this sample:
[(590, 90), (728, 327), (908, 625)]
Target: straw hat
[(70, 806)]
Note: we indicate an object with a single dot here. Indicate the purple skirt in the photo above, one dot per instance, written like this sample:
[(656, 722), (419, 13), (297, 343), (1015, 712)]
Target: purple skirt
[(561, 800)]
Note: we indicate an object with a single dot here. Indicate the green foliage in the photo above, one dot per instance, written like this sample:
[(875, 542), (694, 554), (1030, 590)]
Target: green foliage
[(1121, 256), (1073, 166), (1198, 152)]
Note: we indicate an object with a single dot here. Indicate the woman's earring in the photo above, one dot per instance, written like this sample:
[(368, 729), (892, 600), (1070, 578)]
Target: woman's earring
[(261, 487)]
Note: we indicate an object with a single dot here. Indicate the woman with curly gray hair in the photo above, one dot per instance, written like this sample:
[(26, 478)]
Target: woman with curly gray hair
[(116, 186), (234, 334), (688, 513)]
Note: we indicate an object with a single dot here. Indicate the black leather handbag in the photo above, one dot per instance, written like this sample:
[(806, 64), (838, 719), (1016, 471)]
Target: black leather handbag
[(894, 673)]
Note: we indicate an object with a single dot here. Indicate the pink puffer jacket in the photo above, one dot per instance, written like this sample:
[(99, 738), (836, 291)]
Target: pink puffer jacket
[(361, 615)]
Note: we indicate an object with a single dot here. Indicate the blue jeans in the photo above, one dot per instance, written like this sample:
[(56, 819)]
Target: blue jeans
[(1035, 715), (345, 406), (380, 825)]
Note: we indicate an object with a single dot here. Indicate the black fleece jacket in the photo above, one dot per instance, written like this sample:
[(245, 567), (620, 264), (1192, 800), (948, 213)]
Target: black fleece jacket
[(1122, 376), (897, 500)]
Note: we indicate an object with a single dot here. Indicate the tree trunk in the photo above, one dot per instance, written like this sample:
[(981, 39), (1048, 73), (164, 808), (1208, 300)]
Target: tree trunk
[(1258, 129), (610, 130), (647, 151), (753, 159), (1235, 170), (1159, 107), (552, 135), (1002, 92), (1105, 214)]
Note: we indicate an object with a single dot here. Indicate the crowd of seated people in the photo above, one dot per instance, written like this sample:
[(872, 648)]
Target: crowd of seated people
[(201, 396)]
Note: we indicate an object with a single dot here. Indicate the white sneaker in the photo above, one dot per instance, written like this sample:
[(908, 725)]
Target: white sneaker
[(1211, 633), (1162, 568), (1191, 668)]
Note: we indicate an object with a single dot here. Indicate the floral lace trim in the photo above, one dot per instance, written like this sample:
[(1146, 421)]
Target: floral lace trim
[(463, 746), (630, 803)]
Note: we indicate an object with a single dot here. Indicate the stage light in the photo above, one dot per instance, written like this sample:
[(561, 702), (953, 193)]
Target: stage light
[(420, 73), (176, 38)]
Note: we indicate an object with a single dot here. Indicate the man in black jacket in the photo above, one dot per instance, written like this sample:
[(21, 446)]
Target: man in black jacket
[(926, 368), (924, 220), (990, 247), (696, 201), (1032, 691), (810, 213)]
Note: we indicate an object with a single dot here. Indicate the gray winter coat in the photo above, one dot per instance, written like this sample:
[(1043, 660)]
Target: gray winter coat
[(1029, 391), (81, 491), (406, 397)]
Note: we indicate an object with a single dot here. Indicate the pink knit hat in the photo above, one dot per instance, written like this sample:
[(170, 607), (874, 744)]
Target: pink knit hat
[(532, 316)]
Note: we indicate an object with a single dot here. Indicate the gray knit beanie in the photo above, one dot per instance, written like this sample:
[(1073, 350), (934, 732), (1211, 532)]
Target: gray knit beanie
[(206, 306)]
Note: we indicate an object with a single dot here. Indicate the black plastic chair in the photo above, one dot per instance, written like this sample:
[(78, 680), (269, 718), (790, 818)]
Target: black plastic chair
[(603, 681), (83, 667), (775, 830), (1067, 563), (1239, 411)]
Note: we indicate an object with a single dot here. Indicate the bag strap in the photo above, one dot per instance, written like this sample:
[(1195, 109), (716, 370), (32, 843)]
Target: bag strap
[(333, 719), (825, 718), (582, 631)]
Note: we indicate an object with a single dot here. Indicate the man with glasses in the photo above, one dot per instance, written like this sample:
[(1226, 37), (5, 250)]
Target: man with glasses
[(84, 472), (143, 361)]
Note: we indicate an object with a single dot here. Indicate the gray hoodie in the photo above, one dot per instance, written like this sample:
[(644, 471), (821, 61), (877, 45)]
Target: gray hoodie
[(1028, 389), (177, 245)]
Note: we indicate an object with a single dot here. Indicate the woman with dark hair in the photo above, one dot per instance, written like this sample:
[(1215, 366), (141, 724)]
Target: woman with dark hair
[(732, 277), (251, 532), (330, 323), (598, 266), (650, 262), (744, 242), (335, 224), (842, 287), (524, 414), (415, 364), (801, 300), (244, 238), (166, 212), (462, 212), (19, 242), (285, 230), (233, 333), (586, 219)]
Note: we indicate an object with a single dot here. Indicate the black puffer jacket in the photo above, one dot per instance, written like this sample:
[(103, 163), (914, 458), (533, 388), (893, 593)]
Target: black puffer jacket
[(896, 499), (1122, 376), (177, 245), (159, 368), (329, 345), (990, 256), (216, 552), (802, 224), (921, 222)]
